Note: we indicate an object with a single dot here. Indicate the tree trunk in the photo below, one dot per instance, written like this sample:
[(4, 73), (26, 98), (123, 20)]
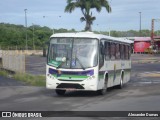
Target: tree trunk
[(88, 26), (44, 52)]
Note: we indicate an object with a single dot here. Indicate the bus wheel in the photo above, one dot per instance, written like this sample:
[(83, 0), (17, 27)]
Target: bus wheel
[(120, 86), (60, 92), (103, 91)]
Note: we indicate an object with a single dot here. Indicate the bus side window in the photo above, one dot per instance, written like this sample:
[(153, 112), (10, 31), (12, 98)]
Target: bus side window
[(126, 52), (129, 53), (117, 52), (122, 51), (107, 50), (113, 51)]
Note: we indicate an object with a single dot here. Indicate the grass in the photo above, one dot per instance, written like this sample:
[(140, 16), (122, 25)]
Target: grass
[(3, 73), (152, 75), (34, 80)]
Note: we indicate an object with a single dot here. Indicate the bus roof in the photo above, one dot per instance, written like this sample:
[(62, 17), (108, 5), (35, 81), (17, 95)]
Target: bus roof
[(91, 35)]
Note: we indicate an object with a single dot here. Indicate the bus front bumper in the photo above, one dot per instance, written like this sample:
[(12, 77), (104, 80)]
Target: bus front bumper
[(89, 84)]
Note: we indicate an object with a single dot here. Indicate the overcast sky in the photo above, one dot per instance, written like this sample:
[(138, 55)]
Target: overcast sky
[(125, 14)]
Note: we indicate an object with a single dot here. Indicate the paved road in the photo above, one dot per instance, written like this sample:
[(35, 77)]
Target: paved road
[(141, 93), (36, 65), (7, 82)]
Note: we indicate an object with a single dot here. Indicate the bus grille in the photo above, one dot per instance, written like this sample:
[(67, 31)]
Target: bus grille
[(68, 85)]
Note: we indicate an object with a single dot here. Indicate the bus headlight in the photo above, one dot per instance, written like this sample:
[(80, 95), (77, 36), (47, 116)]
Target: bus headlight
[(51, 76)]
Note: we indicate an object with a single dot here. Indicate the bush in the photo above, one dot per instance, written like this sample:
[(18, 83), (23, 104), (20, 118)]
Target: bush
[(34, 80)]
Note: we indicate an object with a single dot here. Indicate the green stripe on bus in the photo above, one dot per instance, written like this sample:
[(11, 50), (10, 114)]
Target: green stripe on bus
[(72, 77)]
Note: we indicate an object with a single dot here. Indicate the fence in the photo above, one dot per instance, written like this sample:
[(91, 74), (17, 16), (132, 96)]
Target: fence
[(13, 60)]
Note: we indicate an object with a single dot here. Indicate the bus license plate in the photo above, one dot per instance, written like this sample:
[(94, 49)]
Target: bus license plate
[(70, 89)]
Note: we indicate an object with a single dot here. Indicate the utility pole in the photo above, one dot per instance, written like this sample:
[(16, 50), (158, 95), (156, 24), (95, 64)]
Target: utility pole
[(25, 10), (33, 36), (140, 24), (152, 30)]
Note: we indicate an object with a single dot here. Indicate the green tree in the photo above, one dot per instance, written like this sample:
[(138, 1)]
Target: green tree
[(86, 6)]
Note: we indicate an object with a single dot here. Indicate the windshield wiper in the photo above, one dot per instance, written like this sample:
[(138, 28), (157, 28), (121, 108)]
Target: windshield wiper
[(80, 63)]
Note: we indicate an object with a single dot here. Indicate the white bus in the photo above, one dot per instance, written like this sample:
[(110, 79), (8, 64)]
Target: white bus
[(87, 61)]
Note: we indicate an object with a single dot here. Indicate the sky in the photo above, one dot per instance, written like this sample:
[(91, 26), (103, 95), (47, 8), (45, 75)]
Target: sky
[(124, 16)]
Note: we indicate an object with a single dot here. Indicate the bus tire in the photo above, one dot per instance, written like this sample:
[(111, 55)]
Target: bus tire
[(120, 86), (60, 92), (104, 90)]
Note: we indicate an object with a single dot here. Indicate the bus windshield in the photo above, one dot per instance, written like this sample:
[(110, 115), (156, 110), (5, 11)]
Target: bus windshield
[(78, 53)]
